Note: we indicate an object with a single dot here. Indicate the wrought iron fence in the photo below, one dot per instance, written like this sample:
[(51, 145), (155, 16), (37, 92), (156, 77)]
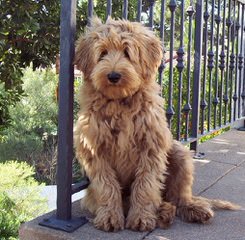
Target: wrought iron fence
[(204, 89)]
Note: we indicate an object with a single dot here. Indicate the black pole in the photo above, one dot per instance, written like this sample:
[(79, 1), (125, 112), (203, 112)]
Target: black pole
[(65, 120), (63, 219), (197, 72)]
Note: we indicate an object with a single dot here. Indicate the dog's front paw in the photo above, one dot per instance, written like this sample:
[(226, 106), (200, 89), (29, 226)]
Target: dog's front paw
[(109, 220), (141, 220), (166, 214)]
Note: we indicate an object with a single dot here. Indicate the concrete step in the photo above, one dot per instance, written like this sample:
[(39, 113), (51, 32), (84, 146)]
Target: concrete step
[(221, 174)]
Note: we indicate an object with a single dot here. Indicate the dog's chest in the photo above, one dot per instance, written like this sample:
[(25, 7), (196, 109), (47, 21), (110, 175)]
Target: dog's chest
[(119, 135), (119, 139), (118, 123)]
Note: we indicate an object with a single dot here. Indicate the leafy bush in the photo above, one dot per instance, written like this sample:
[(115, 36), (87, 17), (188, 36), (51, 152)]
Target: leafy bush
[(20, 198), (9, 222), (32, 135), (37, 111)]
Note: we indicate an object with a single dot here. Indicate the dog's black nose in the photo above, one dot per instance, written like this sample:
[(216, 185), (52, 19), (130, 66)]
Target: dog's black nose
[(114, 77)]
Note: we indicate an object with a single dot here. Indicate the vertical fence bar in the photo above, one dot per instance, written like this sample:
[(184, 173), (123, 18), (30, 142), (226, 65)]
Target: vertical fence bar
[(125, 9), (222, 65), (108, 8), (90, 8), (226, 96), (162, 20), (197, 72), (243, 87), (232, 57), (187, 108), (151, 18), (162, 66), (139, 10), (180, 67), (63, 219), (170, 111), (210, 66), (240, 65), (65, 117), (203, 100), (216, 99), (236, 26)]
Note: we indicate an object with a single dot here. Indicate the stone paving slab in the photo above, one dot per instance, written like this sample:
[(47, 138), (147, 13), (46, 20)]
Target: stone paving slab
[(229, 147), (225, 226), (207, 173), (230, 187)]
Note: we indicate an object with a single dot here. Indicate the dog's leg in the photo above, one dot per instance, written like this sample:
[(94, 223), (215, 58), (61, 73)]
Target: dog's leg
[(104, 197), (145, 198), (178, 189)]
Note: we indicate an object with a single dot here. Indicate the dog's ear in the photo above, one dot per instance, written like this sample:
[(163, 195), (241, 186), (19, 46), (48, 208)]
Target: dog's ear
[(84, 57), (151, 54), (82, 54)]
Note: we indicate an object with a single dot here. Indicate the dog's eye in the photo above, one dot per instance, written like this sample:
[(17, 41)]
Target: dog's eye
[(126, 54), (104, 53)]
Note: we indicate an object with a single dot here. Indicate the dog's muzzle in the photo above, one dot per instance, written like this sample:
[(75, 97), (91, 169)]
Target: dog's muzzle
[(114, 77)]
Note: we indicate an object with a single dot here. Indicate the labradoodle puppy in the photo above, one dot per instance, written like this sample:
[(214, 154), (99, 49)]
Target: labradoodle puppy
[(140, 177)]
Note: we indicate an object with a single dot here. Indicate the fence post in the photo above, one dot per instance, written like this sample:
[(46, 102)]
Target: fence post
[(63, 219), (65, 121), (197, 72)]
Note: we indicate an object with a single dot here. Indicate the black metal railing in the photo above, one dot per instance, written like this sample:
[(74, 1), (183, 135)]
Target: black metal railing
[(204, 90)]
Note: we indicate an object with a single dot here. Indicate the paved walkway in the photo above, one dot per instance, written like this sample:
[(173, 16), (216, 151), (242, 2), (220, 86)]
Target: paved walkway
[(221, 174)]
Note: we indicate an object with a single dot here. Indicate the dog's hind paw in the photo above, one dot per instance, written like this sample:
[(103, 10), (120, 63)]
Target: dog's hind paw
[(195, 213), (141, 221), (166, 214), (109, 220)]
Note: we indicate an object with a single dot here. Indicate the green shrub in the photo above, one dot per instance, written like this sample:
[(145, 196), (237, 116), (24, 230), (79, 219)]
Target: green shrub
[(20, 147), (37, 111), (32, 135), (20, 198), (9, 221)]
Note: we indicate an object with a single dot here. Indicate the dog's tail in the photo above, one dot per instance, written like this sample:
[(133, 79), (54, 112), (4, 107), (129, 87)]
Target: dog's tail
[(218, 204)]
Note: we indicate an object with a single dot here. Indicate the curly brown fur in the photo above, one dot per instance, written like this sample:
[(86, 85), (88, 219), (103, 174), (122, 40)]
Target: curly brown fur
[(121, 136)]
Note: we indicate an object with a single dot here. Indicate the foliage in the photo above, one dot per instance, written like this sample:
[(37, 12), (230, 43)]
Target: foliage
[(20, 198), (29, 33), (38, 109), (32, 135), (9, 222), (7, 99), (214, 134)]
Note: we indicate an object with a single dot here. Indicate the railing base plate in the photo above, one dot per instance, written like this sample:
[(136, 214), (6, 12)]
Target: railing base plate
[(64, 225), (199, 155)]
